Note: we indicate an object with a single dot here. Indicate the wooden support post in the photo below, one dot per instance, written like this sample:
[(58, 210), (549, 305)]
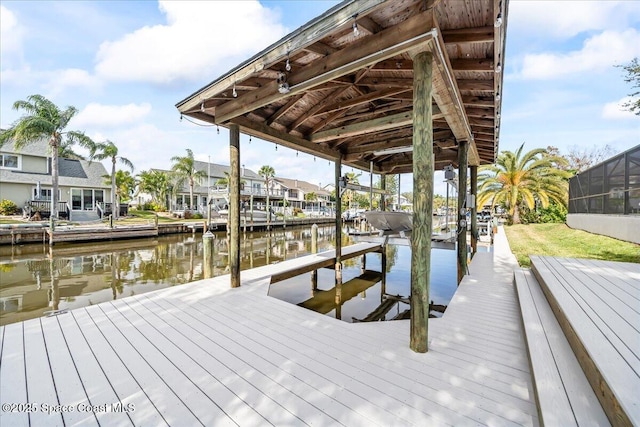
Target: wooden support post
[(314, 250), (234, 205), (370, 186), (383, 185), (423, 170), (383, 262), (338, 266), (251, 209), (207, 254), (473, 170), (363, 265), (463, 147)]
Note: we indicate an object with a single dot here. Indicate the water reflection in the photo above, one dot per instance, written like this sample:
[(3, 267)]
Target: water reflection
[(368, 295), (34, 281)]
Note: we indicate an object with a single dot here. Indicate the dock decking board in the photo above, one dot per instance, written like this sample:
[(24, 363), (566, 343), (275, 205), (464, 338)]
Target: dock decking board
[(563, 393), (203, 353), (606, 343)]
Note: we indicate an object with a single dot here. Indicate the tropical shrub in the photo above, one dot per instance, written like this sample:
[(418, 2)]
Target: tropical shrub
[(8, 207)]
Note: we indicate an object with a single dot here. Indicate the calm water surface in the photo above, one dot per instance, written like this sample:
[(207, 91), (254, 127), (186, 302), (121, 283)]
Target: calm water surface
[(34, 281)]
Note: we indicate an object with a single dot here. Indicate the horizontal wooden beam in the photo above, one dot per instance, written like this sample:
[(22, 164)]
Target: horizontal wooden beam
[(386, 44), (481, 113), (478, 101), (481, 122), (371, 126), (476, 85), (363, 99), (469, 35), (261, 130), (472, 65), (376, 146)]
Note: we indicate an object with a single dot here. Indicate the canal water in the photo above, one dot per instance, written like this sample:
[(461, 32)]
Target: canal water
[(35, 281)]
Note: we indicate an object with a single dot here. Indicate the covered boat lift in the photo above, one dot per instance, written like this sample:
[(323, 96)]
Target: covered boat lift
[(401, 86)]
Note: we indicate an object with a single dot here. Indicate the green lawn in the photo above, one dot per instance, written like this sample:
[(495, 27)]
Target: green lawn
[(561, 241)]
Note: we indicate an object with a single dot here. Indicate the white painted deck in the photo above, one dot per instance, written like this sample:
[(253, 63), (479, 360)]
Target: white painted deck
[(205, 354), (600, 303)]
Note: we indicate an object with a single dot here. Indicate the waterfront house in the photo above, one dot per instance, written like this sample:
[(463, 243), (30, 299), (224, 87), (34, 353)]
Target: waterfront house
[(214, 188), (296, 193), (25, 179)]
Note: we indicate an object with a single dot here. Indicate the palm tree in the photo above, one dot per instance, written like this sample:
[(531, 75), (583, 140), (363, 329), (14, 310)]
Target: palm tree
[(44, 119), (65, 151), (519, 179), (311, 197), (125, 185), (267, 173), (155, 183), (108, 151), (352, 178), (185, 170)]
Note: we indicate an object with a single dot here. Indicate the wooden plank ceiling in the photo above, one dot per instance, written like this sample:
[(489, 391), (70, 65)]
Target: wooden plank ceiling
[(342, 84)]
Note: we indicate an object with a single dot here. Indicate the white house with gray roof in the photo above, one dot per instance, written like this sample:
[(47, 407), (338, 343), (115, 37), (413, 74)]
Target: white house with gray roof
[(25, 179)]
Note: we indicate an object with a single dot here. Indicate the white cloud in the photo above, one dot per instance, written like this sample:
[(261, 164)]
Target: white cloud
[(598, 53), (11, 38), (615, 110), (200, 40), (562, 19), (98, 115), (72, 78)]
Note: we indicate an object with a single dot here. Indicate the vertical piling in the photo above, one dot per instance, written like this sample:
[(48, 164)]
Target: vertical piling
[(314, 250), (234, 205), (473, 170), (423, 169), (207, 254), (463, 147), (338, 265)]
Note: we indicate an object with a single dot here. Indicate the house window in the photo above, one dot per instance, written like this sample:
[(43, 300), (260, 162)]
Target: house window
[(9, 161), (45, 193)]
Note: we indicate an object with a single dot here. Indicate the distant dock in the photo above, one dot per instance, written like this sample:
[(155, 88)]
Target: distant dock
[(13, 234)]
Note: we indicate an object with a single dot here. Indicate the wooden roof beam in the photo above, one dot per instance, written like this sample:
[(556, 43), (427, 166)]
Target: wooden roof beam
[(478, 101), (386, 44), (469, 35), (447, 95), (283, 110), (261, 130), (320, 48), (476, 85), (473, 65), (363, 99), (361, 128), (376, 146)]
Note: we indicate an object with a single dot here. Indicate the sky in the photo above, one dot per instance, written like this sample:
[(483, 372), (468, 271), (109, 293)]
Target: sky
[(125, 64)]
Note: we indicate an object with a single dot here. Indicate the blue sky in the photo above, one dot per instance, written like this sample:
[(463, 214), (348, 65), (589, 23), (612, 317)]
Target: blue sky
[(125, 64)]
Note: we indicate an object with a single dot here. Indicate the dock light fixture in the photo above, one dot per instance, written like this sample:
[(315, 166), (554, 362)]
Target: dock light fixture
[(356, 31), (202, 106), (234, 93), (287, 66), (498, 67), (498, 96), (498, 22), (283, 86), (395, 150)]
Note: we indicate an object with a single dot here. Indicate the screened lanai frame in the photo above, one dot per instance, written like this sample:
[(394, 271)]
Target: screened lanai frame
[(611, 187)]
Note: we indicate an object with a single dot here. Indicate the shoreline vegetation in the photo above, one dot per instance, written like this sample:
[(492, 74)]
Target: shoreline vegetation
[(558, 240)]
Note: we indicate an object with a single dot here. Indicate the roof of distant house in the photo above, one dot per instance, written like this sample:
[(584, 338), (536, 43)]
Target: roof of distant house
[(305, 186), (71, 172)]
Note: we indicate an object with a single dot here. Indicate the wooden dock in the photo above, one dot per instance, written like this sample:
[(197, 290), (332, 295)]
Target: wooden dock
[(205, 354)]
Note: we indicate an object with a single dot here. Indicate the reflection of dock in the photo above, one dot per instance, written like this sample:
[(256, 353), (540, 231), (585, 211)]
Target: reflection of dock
[(326, 301), (306, 264)]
